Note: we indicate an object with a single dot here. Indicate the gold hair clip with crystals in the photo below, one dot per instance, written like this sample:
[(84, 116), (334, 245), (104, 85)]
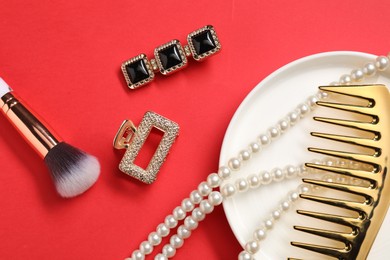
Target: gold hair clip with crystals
[(170, 57), (133, 138)]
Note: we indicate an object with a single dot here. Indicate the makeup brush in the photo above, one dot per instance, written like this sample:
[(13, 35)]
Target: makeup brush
[(72, 170)]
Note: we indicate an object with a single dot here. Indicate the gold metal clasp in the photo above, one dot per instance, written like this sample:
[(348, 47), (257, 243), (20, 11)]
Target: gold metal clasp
[(124, 135), (132, 139)]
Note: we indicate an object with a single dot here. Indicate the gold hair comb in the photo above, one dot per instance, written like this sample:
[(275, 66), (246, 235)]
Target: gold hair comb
[(364, 210)]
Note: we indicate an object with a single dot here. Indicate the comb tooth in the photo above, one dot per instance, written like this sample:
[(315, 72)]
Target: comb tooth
[(339, 236), (347, 172), (350, 108), (369, 143), (345, 221), (353, 91), (365, 126), (350, 156), (351, 205), (339, 253), (362, 191)]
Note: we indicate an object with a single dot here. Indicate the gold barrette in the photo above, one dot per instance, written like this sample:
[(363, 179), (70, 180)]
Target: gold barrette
[(171, 57), (132, 138), (363, 205)]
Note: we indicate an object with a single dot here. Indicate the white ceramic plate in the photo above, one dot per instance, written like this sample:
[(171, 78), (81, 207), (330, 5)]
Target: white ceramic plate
[(268, 102)]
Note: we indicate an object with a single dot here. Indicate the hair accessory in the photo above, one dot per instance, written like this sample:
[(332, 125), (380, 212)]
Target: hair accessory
[(185, 218), (370, 200), (131, 138), (73, 171), (170, 57)]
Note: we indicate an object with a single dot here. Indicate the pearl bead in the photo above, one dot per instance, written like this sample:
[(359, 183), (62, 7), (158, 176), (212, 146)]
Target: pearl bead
[(241, 185), (154, 239), (317, 162), (276, 214), (146, 247), (322, 94), (294, 117), (293, 196), (269, 223), (255, 147), (224, 172), (266, 177), (187, 205), (330, 162), (190, 223), (302, 170), (206, 207), (183, 232), (341, 179), (179, 213), (213, 180), (160, 257), (228, 190), (169, 251), (245, 155), (354, 165), (357, 75), (245, 256), (341, 163), (285, 205), (252, 247), (264, 140), (176, 241), (254, 181), (274, 132), (382, 63), (137, 255), (304, 188), (312, 101), (215, 198), (162, 230), (198, 215), (328, 178), (345, 79), (195, 197), (204, 189), (260, 233), (284, 125), (304, 109), (334, 83), (369, 69), (170, 221), (234, 164), (291, 172), (278, 174)]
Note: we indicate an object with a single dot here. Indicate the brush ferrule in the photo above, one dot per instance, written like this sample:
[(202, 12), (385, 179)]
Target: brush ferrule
[(29, 126)]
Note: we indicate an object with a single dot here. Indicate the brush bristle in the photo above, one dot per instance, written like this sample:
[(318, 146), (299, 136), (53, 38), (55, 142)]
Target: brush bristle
[(4, 88), (73, 171)]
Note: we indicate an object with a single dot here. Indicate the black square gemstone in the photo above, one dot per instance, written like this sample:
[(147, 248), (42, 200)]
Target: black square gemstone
[(170, 57), (137, 71), (203, 42)]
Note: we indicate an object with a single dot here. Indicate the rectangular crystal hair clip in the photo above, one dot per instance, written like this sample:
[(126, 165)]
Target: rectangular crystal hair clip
[(132, 139)]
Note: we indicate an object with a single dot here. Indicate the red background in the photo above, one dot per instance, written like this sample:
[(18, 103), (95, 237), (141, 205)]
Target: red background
[(64, 57)]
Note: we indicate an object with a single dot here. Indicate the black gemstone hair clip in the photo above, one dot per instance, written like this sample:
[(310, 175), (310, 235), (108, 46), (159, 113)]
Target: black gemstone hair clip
[(170, 57)]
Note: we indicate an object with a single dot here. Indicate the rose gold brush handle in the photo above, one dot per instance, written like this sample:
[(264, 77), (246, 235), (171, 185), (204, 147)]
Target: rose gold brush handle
[(30, 127)]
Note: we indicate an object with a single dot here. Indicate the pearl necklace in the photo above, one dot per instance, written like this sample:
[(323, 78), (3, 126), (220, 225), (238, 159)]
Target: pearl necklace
[(205, 198)]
